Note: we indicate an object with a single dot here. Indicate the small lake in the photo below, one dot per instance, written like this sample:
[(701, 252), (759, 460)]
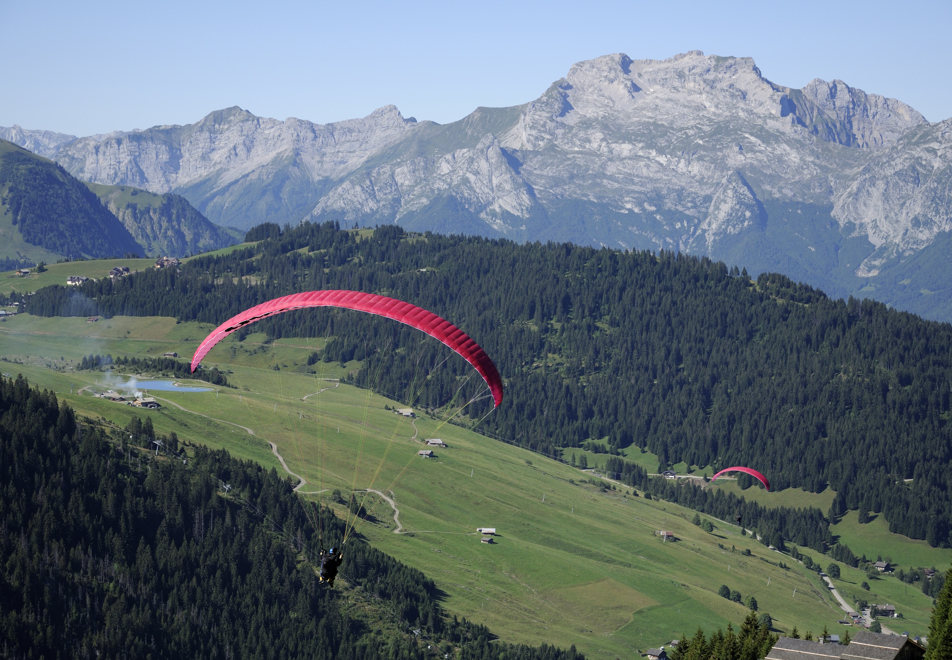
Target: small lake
[(168, 386)]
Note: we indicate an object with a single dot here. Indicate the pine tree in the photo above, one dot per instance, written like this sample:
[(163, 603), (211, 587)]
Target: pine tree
[(940, 628)]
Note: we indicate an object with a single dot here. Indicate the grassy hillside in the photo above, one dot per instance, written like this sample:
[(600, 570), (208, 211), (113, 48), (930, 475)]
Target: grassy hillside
[(685, 358), (12, 245), (583, 567), (164, 224), (57, 273), (123, 196)]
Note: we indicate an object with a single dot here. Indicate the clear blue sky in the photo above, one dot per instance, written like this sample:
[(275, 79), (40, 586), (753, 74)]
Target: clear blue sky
[(93, 67)]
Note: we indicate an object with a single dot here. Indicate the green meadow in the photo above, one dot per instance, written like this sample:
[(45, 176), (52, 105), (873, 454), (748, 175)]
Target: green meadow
[(875, 540), (571, 563), (57, 273), (914, 607)]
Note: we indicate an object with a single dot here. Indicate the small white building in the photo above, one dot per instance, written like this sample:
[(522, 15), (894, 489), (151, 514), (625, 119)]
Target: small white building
[(406, 412), (75, 280), (434, 442), (486, 530)]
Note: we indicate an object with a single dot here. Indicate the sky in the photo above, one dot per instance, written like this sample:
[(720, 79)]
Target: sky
[(99, 66)]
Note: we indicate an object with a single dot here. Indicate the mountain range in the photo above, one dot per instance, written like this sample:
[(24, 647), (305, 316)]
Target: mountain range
[(845, 190), (47, 215)]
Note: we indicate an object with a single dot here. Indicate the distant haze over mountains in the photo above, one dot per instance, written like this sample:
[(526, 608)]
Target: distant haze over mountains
[(845, 190)]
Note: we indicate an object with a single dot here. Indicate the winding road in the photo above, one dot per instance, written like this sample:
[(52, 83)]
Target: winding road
[(274, 450), (836, 594), (393, 505), (274, 447), (849, 610)]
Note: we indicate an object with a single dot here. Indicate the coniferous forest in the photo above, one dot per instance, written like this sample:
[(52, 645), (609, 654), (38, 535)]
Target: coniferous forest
[(43, 199), (111, 551), (751, 642), (681, 356)]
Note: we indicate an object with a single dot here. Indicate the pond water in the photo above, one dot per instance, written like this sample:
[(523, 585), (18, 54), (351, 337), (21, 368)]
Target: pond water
[(167, 386)]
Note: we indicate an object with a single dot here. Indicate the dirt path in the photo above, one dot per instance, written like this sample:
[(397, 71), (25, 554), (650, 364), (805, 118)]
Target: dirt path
[(274, 447), (337, 384), (274, 450), (393, 505)]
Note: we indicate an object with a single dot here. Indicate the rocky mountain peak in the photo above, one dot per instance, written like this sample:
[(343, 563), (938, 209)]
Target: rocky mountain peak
[(388, 113), (836, 112), (695, 152), (603, 84), (226, 117), (42, 143), (678, 87)]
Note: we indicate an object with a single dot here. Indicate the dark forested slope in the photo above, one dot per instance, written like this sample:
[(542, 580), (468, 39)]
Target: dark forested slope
[(679, 355), (57, 212), (109, 551), (163, 224)]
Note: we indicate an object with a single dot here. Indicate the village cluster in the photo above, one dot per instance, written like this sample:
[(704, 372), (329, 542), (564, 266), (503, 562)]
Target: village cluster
[(115, 273), (118, 271), (137, 401)]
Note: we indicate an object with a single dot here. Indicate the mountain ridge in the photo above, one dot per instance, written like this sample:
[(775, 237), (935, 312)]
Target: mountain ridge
[(47, 214), (623, 153)]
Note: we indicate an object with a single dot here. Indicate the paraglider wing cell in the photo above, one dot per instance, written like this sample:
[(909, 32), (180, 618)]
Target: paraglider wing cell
[(390, 308), (754, 473)]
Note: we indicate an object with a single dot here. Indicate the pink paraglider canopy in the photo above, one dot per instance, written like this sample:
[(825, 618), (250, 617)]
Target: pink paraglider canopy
[(411, 315), (754, 473)]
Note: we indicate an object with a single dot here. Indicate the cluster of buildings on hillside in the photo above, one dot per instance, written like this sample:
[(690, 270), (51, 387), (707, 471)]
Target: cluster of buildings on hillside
[(865, 646), (430, 442), (115, 273), (167, 262), (138, 401)]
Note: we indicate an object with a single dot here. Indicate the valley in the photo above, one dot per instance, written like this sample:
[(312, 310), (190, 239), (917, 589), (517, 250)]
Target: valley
[(585, 566)]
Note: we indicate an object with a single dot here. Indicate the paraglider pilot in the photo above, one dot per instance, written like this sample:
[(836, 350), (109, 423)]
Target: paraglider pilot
[(330, 562)]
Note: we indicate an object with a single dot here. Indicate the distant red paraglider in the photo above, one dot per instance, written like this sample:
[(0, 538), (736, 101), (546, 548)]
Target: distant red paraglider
[(754, 473), (404, 312)]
